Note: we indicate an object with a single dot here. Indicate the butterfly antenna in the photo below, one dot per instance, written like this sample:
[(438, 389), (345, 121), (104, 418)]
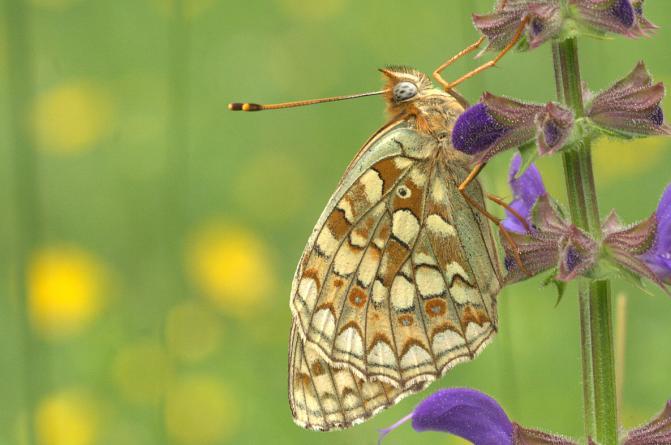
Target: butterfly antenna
[(237, 106)]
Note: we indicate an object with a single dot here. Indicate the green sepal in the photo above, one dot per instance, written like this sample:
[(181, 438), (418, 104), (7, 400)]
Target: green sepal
[(559, 285), (529, 154)]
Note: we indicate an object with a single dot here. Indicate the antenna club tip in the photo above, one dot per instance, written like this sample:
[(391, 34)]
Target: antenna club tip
[(236, 106)]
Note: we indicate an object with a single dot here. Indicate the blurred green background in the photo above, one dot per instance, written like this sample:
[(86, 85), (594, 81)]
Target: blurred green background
[(158, 232)]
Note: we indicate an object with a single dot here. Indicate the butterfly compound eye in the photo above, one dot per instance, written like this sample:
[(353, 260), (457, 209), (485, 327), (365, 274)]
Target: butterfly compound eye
[(404, 91)]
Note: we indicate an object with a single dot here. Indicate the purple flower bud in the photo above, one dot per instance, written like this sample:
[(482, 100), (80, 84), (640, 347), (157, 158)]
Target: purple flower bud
[(630, 107), (554, 126), (474, 416), (526, 191), (617, 16), (657, 431), (543, 22), (497, 123), (578, 254)]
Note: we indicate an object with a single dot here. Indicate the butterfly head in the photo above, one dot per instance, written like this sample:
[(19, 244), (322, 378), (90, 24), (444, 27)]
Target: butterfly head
[(404, 85)]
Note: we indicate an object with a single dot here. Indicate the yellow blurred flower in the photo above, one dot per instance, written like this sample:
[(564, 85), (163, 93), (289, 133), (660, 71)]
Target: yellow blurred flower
[(191, 8), (232, 267), (72, 117), (192, 333), (200, 410), (68, 417), (308, 10), (66, 286), (617, 158), (141, 372)]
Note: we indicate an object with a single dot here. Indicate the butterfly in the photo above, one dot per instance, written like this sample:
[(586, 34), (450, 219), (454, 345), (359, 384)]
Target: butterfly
[(399, 278)]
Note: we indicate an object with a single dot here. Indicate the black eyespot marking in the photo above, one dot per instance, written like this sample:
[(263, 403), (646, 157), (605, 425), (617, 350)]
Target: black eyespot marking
[(403, 192)]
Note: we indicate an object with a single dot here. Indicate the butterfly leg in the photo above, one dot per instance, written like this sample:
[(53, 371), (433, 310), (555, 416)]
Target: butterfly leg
[(450, 85), (462, 189)]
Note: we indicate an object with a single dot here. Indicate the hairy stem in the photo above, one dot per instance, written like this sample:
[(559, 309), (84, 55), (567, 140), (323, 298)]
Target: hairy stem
[(596, 329)]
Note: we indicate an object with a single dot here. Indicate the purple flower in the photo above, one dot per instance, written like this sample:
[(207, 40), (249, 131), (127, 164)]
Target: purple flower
[(642, 249), (658, 258), (474, 416), (657, 431), (630, 107), (617, 16), (497, 123), (543, 22), (527, 188)]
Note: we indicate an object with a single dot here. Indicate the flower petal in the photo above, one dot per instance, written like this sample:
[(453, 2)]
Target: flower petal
[(464, 412), (476, 130), (526, 190)]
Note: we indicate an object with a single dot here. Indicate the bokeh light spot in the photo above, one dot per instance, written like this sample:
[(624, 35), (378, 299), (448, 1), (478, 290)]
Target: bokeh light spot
[(141, 372), (618, 158), (231, 265), (200, 410), (69, 417), (308, 10), (72, 117), (66, 286), (192, 333), (271, 188)]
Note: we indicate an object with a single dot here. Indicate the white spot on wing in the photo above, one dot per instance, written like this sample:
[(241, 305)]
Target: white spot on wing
[(324, 322), (381, 354), (402, 293), (380, 292), (438, 225), (454, 269), (474, 330), (350, 341), (430, 282), (405, 226), (307, 290), (327, 242), (463, 294), (415, 357), (446, 340), (346, 260), (372, 184), (368, 266)]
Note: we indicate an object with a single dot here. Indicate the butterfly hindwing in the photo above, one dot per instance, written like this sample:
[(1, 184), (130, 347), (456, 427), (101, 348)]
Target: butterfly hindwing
[(325, 398), (396, 285)]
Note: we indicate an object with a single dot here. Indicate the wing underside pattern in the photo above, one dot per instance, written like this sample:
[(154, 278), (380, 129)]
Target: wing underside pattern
[(398, 285)]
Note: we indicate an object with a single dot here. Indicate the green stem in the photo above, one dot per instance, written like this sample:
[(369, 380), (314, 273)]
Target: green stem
[(20, 79), (596, 330)]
